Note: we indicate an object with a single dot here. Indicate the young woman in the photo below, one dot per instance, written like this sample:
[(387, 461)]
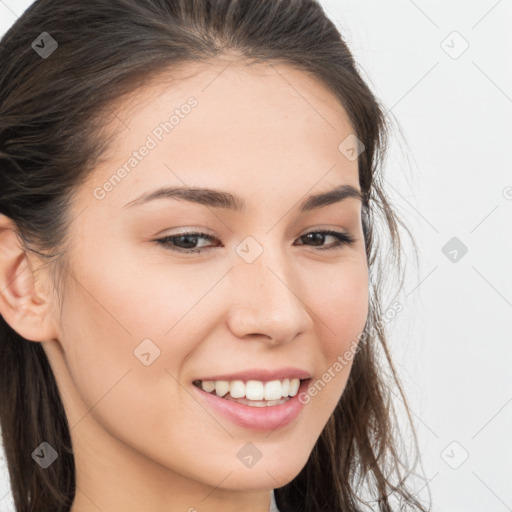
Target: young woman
[(190, 298)]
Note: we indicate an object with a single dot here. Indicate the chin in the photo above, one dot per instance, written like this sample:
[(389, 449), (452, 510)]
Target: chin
[(264, 476)]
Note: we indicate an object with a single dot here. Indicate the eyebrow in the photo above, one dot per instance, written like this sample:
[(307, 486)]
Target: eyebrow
[(226, 200)]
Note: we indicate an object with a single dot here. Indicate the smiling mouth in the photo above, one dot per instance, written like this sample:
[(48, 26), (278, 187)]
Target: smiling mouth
[(252, 392)]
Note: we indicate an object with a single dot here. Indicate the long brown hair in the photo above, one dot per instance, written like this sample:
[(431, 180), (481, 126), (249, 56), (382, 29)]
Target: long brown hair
[(52, 110)]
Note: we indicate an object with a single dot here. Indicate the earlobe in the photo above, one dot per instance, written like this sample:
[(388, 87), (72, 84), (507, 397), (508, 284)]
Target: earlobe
[(24, 302)]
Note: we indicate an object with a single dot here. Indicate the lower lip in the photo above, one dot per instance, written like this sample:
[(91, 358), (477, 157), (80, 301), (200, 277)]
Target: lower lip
[(256, 418)]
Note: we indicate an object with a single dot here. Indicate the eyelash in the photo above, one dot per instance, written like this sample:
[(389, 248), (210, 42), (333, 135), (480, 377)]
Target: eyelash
[(342, 240)]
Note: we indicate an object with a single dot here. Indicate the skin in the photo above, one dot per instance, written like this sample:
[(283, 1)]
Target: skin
[(269, 134)]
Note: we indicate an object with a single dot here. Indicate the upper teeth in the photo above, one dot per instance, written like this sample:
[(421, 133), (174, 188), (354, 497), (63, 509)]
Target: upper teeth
[(253, 389)]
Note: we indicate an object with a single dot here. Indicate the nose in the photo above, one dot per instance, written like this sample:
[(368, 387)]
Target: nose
[(266, 300)]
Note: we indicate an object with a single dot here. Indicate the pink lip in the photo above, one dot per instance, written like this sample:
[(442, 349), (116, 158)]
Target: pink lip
[(256, 418), (263, 375)]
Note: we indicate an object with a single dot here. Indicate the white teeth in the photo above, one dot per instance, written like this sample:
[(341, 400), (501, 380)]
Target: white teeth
[(294, 387), (273, 390), (254, 390), (208, 385), (269, 391), (237, 389), (221, 387), (285, 387)]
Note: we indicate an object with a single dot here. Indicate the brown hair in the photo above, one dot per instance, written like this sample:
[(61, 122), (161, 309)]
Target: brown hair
[(52, 111)]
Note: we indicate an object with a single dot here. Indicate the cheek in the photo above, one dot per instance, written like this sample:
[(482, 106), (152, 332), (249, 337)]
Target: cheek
[(341, 308), (112, 386), (341, 302), (107, 314)]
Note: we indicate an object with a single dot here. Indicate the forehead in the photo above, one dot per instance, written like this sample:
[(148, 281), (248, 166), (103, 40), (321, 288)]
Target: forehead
[(242, 86), (228, 125)]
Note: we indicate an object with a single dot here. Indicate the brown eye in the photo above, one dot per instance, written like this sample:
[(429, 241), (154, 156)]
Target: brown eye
[(185, 242), (317, 237)]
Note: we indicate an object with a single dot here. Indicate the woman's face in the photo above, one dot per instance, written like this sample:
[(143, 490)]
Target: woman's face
[(142, 321)]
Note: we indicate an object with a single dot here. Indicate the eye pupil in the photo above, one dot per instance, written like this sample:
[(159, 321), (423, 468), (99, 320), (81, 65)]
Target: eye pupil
[(190, 241), (316, 237)]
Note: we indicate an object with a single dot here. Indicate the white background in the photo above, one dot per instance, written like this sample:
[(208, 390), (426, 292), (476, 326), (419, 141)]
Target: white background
[(450, 175)]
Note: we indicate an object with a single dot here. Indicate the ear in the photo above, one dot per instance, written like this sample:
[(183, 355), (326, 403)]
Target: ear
[(24, 293)]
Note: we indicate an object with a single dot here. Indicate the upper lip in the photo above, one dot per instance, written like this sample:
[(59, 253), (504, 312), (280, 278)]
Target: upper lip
[(262, 374)]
